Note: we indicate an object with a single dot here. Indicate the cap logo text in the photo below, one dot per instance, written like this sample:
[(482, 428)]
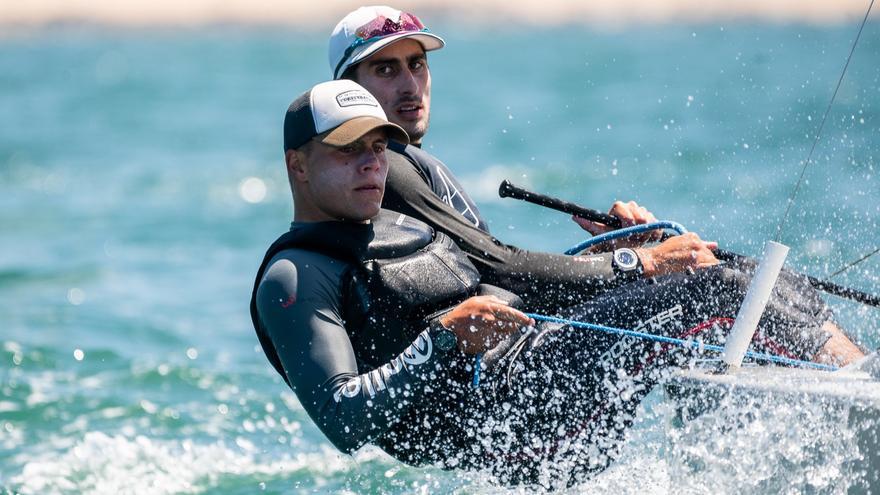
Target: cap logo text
[(356, 97)]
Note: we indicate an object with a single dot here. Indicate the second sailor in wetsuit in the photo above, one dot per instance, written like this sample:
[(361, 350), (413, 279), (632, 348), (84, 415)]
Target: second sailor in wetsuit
[(374, 319), (385, 51)]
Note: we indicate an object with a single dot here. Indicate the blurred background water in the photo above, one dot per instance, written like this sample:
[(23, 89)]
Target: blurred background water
[(141, 179)]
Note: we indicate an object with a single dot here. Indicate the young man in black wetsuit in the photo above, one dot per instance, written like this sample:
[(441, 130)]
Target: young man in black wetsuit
[(384, 50), (374, 319), (363, 367)]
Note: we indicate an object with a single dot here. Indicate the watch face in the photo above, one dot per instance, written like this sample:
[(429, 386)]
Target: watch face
[(626, 259), (445, 340)]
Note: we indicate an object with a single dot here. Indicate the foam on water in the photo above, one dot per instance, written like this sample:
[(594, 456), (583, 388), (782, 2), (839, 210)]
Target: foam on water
[(111, 464), (753, 446), (250, 444)]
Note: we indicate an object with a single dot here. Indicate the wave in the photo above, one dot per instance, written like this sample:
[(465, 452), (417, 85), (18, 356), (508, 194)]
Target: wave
[(102, 463)]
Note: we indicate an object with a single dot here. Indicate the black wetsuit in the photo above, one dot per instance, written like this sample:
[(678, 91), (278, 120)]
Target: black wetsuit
[(422, 187), (553, 405)]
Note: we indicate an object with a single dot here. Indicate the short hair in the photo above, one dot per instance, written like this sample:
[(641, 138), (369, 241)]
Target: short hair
[(307, 147)]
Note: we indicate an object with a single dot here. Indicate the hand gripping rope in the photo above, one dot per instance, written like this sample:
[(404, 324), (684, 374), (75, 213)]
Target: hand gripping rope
[(617, 234)]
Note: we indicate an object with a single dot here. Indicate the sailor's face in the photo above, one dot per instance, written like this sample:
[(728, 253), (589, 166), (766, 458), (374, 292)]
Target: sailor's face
[(398, 76), (348, 183)]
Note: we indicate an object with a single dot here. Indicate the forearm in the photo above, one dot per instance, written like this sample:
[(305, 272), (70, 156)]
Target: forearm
[(547, 281), (352, 410), (298, 303)]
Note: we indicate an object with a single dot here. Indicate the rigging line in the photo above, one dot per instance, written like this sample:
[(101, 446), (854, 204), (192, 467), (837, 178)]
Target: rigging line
[(691, 344), (821, 125), (854, 263)]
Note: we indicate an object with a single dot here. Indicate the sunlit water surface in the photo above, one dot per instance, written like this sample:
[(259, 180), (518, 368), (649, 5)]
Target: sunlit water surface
[(141, 179)]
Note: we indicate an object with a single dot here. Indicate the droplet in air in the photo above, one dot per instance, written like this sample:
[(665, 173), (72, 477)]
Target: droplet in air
[(78, 354), (192, 353), (76, 296), (252, 190)]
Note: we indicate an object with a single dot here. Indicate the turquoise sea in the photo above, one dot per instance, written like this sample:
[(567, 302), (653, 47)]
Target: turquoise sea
[(141, 179)]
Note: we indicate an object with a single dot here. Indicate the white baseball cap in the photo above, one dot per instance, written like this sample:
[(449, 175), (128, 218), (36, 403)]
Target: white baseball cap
[(338, 113), (368, 29)]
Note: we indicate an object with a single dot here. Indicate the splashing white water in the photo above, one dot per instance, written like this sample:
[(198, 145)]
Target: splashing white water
[(103, 464)]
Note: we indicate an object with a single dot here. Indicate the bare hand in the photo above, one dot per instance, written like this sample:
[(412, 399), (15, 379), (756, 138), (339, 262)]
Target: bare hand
[(676, 254), (630, 214), (480, 322)]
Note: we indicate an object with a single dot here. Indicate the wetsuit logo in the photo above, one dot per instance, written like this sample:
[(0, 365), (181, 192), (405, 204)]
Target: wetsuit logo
[(419, 352), (655, 323), (593, 258), (454, 198)]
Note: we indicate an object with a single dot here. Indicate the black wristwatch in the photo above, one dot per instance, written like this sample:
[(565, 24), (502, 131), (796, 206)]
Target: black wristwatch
[(626, 263), (444, 339)]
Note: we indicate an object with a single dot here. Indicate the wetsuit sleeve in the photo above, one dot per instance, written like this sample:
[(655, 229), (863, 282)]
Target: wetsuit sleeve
[(543, 280), (298, 301)]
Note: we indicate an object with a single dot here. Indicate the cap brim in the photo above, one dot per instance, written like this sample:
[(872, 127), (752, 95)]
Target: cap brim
[(429, 42), (354, 129)]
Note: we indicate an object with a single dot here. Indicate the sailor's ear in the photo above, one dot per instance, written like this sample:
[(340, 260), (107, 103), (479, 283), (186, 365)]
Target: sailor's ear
[(297, 162)]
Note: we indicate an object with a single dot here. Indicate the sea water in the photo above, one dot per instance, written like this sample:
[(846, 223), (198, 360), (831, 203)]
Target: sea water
[(142, 178)]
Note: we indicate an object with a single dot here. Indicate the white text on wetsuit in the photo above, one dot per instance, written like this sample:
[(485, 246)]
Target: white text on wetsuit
[(374, 381), (655, 322)]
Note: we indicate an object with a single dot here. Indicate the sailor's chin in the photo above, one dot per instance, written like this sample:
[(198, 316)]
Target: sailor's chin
[(368, 208), (414, 129)]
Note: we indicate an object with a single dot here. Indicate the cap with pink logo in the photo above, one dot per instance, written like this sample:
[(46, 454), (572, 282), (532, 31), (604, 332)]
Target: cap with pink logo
[(368, 29)]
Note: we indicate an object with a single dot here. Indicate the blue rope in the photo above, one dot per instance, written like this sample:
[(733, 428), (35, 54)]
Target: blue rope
[(617, 234), (684, 343), (692, 344), (475, 384)]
